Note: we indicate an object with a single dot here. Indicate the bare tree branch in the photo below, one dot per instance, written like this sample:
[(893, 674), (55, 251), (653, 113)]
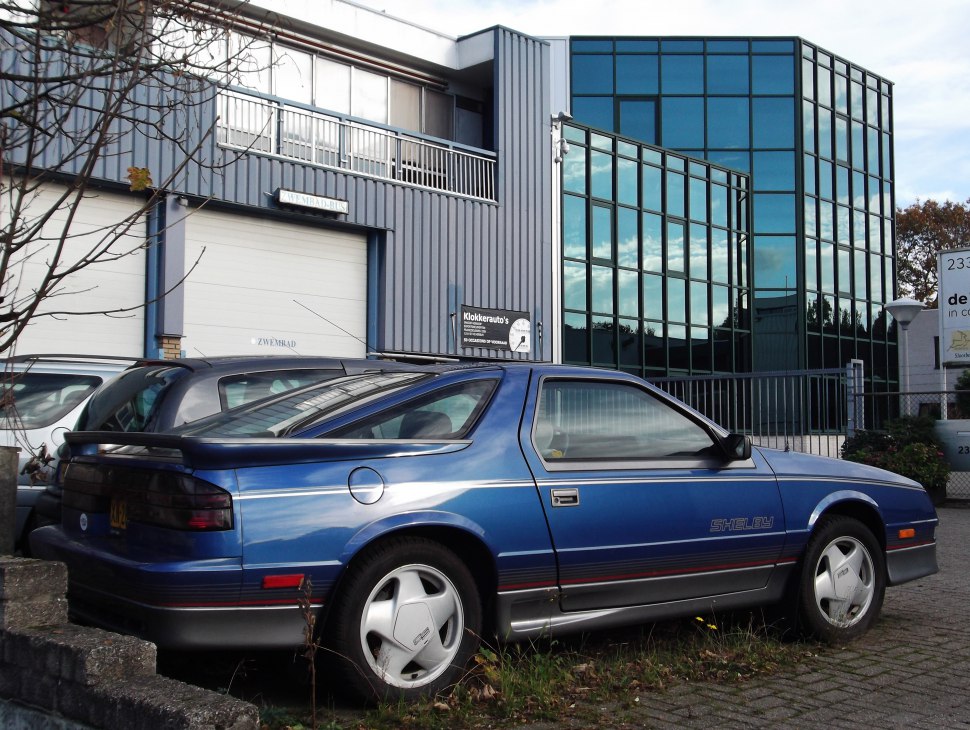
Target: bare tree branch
[(82, 85)]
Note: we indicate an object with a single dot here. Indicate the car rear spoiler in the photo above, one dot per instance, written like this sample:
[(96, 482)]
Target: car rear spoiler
[(228, 453)]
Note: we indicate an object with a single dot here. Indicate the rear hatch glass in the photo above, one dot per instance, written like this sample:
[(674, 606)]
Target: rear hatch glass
[(299, 408), (130, 401), (237, 390)]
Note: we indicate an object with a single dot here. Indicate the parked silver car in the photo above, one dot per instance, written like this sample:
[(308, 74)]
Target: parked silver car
[(41, 397)]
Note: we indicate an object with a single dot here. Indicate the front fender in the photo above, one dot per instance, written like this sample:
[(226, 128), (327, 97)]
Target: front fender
[(842, 496)]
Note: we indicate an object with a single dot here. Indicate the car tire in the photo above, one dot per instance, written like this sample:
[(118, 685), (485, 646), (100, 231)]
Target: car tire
[(405, 622), (843, 581), (29, 526)]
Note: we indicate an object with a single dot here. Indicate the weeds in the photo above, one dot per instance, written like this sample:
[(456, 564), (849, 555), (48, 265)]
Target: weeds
[(571, 680), (310, 642)]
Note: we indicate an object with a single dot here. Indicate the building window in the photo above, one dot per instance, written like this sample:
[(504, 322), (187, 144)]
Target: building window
[(302, 77), (405, 111), (293, 74), (633, 263)]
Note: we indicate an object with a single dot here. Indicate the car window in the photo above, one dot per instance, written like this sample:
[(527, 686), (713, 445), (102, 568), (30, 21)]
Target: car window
[(237, 390), (33, 400), (587, 419), (447, 413), (299, 409), (129, 402)]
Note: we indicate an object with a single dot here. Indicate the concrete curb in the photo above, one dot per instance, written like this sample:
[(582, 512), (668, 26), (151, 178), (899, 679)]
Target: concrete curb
[(95, 677)]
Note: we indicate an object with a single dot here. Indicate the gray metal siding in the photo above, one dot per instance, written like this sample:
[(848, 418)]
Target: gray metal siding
[(524, 266), (439, 251)]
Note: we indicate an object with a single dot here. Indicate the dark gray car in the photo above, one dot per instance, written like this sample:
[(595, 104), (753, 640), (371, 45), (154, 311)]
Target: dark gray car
[(157, 395)]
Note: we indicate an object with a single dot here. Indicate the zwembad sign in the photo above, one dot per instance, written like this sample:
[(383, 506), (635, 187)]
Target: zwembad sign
[(954, 304), (496, 329), (314, 202)]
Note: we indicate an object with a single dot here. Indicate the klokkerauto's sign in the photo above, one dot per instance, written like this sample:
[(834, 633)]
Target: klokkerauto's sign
[(953, 268), (495, 329)]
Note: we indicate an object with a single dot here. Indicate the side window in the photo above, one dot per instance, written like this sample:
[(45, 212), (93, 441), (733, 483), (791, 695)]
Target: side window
[(448, 413), (586, 419), (237, 390)]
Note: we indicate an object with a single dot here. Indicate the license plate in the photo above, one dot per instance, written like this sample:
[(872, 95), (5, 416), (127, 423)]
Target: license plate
[(119, 514)]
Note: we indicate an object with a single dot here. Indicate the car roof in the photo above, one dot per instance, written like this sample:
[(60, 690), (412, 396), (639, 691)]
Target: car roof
[(105, 365), (246, 363), (541, 367), (191, 389)]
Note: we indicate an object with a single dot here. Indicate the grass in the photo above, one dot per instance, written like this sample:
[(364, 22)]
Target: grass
[(570, 681)]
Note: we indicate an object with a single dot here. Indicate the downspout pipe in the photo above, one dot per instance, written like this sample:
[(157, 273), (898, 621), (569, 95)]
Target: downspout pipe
[(153, 268)]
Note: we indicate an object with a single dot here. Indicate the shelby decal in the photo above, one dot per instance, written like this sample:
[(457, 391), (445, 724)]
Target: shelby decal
[(272, 342), (739, 524)]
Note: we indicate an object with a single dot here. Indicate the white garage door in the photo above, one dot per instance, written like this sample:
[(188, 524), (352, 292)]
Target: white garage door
[(107, 287), (269, 287)]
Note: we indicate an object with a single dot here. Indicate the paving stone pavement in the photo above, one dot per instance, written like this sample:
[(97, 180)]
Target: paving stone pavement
[(912, 670)]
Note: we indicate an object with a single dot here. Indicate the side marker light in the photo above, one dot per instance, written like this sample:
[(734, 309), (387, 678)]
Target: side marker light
[(282, 581)]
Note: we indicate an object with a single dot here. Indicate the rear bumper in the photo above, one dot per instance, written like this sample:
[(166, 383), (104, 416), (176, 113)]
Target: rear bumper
[(26, 499), (178, 605), (906, 564), (276, 627)]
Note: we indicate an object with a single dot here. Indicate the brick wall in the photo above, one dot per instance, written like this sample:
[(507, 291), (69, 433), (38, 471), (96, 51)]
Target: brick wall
[(171, 346)]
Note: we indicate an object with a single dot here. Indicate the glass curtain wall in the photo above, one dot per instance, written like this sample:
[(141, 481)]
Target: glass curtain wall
[(815, 135), (655, 259), (847, 185)]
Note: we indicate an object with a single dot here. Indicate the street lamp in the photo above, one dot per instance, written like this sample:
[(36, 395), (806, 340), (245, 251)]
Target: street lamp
[(904, 311)]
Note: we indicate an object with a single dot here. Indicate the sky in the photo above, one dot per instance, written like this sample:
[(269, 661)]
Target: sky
[(919, 46)]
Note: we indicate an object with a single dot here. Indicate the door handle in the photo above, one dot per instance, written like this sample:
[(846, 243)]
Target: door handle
[(565, 497)]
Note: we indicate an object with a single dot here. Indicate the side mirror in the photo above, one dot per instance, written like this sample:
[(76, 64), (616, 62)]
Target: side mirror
[(737, 447)]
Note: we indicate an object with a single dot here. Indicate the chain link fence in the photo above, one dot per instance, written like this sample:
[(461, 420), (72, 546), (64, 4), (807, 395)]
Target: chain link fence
[(953, 428)]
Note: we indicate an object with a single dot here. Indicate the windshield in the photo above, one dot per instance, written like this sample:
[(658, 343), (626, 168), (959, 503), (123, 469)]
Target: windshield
[(299, 409), (33, 400)]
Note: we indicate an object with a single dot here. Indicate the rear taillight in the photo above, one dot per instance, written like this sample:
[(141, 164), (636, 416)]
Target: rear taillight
[(182, 503), (154, 497), (86, 488)]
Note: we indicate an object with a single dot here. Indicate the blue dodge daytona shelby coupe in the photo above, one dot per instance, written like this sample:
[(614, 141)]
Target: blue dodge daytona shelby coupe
[(419, 509)]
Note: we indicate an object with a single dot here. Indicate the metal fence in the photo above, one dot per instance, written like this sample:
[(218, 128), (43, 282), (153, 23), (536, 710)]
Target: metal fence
[(879, 408), (261, 125), (814, 411), (808, 411)]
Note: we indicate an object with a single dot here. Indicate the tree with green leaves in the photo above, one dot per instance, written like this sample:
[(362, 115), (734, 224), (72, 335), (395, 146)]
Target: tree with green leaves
[(922, 230)]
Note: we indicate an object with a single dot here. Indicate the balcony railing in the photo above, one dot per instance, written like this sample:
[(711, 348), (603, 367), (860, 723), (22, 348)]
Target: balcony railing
[(260, 125)]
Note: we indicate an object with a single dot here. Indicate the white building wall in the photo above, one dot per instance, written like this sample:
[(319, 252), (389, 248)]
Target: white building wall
[(922, 344), (96, 310)]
